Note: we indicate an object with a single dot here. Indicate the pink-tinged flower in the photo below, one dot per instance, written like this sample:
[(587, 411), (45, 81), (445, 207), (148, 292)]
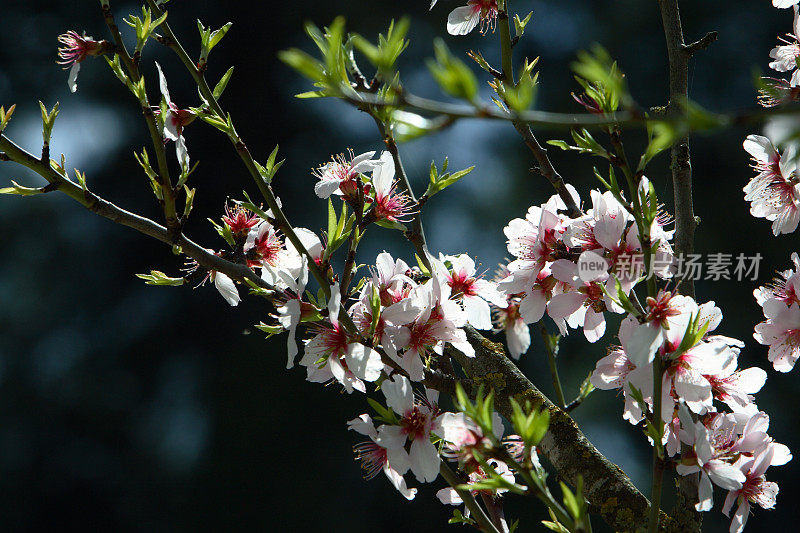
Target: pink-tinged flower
[(239, 219), (463, 20), (785, 288), (339, 175), (781, 332), (755, 489), (374, 457), (648, 336), (437, 321), (532, 240), (774, 194), (617, 371), (689, 370), (417, 420), (583, 306), (783, 4), (330, 354), (712, 449), (264, 246), (775, 92), (388, 203), (518, 336), (786, 55), (736, 387), (474, 292), (74, 50), (174, 122)]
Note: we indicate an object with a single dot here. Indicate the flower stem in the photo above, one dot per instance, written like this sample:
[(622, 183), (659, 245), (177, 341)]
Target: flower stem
[(469, 500), (169, 193), (658, 463), (551, 359)]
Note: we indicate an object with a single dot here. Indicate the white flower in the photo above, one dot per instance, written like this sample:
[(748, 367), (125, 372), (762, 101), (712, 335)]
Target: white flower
[(773, 193), (348, 363), (374, 458), (755, 489), (289, 314), (341, 170), (781, 4), (227, 288), (174, 122), (475, 293), (417, 421), (463, 20), (781, 332)]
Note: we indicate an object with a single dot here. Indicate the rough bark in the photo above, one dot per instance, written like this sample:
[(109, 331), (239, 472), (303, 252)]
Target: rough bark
[(606, 486), (679, 53)]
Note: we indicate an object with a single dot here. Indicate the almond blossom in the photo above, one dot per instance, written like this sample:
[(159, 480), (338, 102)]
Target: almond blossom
[(781, 332), (785, 55), (463, 20), (375, 458), (436, 320), (774, 194), (226, 287), (474, 292), (75, 49), (339, 175), (289, 314), (418, 419), (330, 354), (755, 489), (449, 496), (174, 122), (388, 203)]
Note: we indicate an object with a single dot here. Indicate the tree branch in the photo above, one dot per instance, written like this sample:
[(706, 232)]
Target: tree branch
[(545, 167), (108, 210), (606, 486), (679, 54)]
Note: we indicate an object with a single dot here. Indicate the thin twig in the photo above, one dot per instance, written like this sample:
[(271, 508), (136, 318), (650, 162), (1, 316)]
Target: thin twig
[(679, 54), (241, 148), (469, 500), (170, 211), (545, 166), (116, 214)]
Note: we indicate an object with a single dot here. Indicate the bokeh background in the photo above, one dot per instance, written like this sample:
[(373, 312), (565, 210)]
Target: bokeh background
[(131, 408)]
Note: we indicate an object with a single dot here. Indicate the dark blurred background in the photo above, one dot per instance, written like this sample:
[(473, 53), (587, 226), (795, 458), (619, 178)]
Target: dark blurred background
[(133, 408)]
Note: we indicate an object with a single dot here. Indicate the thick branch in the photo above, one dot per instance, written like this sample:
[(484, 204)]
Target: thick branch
[(606, 486)]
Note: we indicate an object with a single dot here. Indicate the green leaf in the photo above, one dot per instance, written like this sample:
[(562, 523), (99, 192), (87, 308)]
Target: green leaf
[(156, 277), (519, 25), (452, 75), (223, 82), (19, 190)]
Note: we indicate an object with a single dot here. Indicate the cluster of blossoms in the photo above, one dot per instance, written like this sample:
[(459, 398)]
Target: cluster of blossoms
[(571, 268), (407, 441), (729, 449), (774, 194)]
